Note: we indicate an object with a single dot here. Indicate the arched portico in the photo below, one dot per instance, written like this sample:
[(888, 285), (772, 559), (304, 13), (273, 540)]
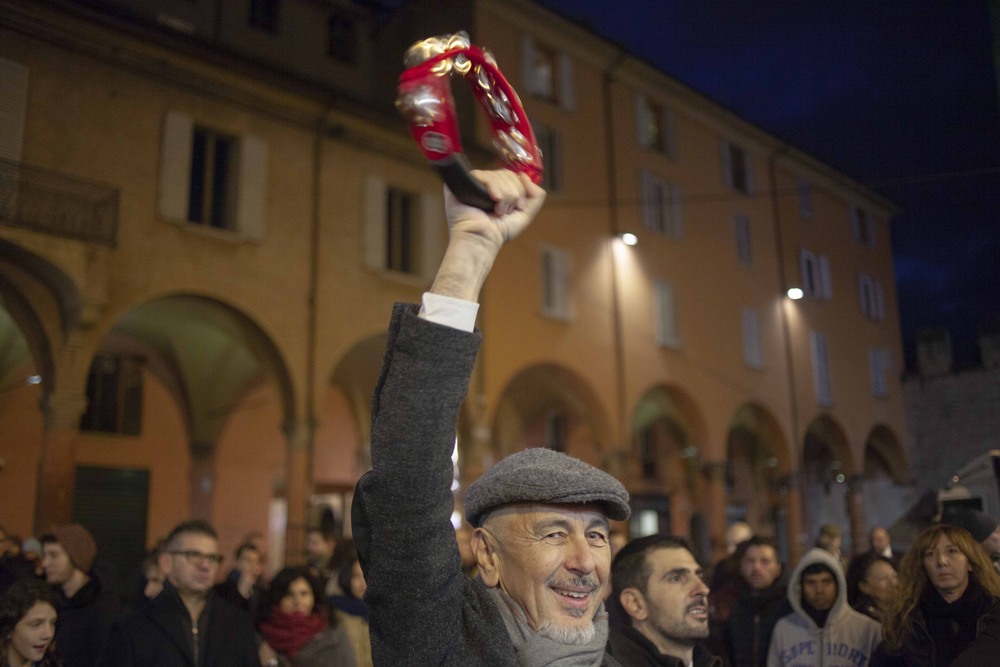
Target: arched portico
[(759, 488), (828, 472), (668, 493), (547, 405)]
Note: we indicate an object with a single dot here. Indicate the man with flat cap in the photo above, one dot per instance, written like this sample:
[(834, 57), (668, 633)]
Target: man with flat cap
[(540, 518)]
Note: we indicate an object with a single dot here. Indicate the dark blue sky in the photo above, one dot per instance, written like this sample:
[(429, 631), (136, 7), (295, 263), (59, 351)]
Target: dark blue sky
[(899, 95)]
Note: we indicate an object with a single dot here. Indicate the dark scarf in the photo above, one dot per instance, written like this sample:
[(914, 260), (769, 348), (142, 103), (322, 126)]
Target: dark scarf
[(816, 615), (952, 624), (287, 633), (350, 606)]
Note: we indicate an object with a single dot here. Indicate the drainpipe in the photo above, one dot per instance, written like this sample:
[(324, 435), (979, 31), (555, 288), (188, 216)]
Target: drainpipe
[(619, 456), (797, 538)]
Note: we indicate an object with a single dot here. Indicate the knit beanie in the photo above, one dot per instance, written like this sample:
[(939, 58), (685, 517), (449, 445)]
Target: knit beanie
[(77, 542), (539, 475)]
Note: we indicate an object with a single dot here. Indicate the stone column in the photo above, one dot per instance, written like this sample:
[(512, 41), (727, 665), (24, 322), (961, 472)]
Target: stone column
[(298, 488), (856, 513), (57, 460), (201, 478), (714, 473), (798, 540)]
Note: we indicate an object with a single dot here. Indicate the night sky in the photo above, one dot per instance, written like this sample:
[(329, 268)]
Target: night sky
[(899, 95)]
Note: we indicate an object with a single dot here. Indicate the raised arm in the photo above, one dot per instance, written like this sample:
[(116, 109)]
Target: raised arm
[(475, 237)]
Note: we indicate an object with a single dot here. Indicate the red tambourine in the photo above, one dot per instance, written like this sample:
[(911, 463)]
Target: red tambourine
[(425, 100)]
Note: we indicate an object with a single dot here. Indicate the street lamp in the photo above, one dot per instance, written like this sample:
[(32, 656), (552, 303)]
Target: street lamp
[(628, 238), (795, 293)]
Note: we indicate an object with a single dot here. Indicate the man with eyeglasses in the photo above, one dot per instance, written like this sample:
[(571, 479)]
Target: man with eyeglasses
[(186, 624)]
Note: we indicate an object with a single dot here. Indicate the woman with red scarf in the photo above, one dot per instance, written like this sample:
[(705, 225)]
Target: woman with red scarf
[(298, 629)]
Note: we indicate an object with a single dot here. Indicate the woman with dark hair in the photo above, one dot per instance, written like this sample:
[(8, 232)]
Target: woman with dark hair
[(872, 584), (352, 610), (28, 625), (947, 612), (297, 626)]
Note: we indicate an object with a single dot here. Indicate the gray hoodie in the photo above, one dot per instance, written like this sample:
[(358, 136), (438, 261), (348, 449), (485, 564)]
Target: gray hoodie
[(847, 640)]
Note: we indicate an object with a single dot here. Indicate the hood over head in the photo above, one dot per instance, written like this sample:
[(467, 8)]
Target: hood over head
[(812, 557)]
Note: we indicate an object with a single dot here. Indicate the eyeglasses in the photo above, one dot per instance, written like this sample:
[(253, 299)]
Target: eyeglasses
[(197, 557)]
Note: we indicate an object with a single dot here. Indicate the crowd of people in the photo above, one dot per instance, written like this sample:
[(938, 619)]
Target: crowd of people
[(536, 579), (63, 614)]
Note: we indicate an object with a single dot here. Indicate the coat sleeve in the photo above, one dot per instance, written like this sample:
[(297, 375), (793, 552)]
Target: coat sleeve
[(402, 507)]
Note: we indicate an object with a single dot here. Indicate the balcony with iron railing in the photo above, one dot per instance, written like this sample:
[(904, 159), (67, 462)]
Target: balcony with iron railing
[(52, 202)]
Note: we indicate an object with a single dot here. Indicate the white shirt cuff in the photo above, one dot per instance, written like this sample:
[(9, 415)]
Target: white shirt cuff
[(449, 311)]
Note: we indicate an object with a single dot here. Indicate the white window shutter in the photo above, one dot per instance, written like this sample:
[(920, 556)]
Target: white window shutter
[(676, 212), (878, 365), (825, 278), (753, 354), (646, 199), (567, 88), (821, 368), (555, 283), (879, 312), (665, 311), (642, 120), (432, 224), (252, 187), (856, 223), (175, 166), (13, 105), (528, 63), (376, 209)]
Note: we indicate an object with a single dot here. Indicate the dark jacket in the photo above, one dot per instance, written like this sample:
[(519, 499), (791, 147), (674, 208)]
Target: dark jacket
[(747, 633), (423, 609), (85, 622), (632, 649), (923, 647), (160, 634)]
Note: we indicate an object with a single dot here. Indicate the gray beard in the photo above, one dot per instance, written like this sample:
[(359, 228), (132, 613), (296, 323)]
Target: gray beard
[(577, 636)]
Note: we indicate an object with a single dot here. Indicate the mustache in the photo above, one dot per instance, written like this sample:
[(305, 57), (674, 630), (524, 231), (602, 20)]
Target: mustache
[(700, 601), (575, 582)]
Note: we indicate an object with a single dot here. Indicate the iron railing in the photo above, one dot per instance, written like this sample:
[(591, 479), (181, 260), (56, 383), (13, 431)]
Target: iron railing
[(51, 202)]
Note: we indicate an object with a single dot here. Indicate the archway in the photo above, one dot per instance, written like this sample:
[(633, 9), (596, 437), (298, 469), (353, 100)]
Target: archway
[(827, 467)]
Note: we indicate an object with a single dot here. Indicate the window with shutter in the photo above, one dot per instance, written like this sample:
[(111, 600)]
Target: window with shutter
[(665, 311), (753, 352), (821, 368)]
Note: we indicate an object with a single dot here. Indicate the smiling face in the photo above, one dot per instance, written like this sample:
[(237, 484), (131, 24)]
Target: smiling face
[(947, 568), (553, 560), (32, 634), (674, 607)]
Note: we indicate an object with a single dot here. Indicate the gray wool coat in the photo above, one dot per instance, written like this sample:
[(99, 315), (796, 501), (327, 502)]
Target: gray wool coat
[(423, 609)]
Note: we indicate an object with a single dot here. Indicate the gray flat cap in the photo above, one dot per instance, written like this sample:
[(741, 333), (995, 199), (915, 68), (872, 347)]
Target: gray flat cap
[(540, 475)]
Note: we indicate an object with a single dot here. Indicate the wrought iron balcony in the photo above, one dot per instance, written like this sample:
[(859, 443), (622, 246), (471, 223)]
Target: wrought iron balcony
[(51, 202)]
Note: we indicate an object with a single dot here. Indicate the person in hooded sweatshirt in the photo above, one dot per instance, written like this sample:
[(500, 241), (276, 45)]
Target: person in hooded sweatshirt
[(822, 629)]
